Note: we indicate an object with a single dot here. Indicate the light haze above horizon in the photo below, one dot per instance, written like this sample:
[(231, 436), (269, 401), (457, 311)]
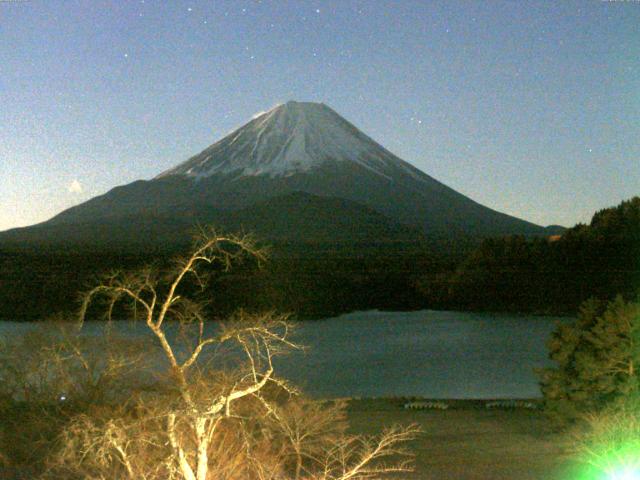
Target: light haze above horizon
[(529, 108)]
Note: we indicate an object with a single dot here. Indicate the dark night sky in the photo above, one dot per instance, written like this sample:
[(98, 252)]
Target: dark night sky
[(531, 108)]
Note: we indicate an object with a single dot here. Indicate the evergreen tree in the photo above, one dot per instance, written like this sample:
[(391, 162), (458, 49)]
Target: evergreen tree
[(597, 359)]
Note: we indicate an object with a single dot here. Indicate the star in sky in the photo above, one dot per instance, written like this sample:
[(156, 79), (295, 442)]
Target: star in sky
[(533, 69)]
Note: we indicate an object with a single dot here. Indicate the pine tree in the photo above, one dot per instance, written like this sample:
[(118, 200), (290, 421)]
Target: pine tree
[(597, 359)]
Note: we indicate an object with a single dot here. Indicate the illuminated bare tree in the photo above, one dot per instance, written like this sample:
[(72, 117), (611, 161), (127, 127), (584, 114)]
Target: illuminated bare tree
[(219, 415)]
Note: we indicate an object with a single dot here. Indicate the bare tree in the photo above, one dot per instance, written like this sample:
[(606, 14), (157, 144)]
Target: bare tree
[(310, 429), (222, 412), (50, 373)]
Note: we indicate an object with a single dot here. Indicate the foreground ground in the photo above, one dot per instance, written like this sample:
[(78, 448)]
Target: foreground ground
[(467, 441), (471, 442)]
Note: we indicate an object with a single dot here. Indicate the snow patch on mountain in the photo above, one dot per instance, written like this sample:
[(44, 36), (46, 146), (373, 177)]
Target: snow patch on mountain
[(288, 139)]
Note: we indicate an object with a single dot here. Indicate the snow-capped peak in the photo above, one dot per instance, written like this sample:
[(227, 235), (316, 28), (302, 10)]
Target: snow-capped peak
[(290, 138)]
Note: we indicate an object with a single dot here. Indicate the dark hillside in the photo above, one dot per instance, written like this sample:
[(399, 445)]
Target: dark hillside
[(601, 259)]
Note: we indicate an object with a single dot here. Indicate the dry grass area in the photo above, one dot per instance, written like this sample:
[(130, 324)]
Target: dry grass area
[(470, 442)]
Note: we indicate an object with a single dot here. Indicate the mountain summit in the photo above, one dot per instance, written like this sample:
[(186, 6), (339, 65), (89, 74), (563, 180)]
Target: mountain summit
[(292, 138), (295, 147)]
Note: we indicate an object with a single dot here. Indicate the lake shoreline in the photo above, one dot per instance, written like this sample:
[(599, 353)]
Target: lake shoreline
[(331, 315)]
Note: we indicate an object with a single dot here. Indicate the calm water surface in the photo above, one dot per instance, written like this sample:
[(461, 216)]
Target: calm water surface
[(434, 354)]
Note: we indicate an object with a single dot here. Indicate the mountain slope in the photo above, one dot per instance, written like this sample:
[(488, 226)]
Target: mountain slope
[(296, 217), (303, 217), (289, 139), (296, 147)]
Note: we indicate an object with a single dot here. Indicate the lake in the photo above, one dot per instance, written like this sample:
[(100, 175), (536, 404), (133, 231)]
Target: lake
[(433, 354)]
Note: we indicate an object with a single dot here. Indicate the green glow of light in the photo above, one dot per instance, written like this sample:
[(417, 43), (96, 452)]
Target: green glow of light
[(628, 473), (625, 464), (622, 462)]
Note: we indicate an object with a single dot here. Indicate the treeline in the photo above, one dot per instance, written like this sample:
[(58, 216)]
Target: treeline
[(548, 275), (308, 280), (37, 284), (330, 283), (315, 280)]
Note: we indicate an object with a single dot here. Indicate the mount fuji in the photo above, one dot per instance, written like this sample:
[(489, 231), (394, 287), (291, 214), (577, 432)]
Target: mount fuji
[(268, 175)]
